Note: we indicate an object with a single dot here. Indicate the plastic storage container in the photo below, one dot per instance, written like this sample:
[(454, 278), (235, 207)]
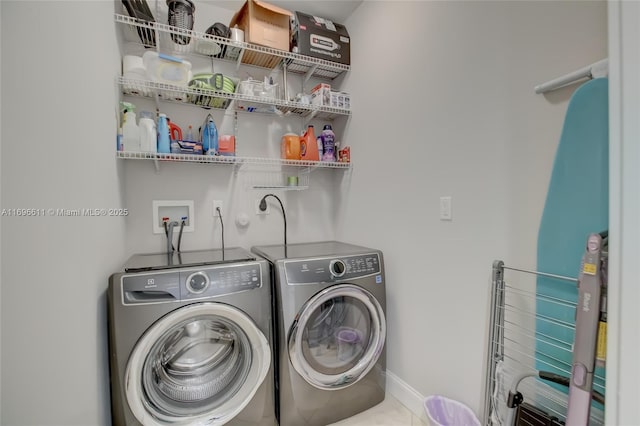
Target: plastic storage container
[(442, 411), (167, 69)]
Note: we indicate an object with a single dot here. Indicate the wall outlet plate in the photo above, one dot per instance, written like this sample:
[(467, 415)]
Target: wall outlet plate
[(258, 211), (216, 204), (175, 210), (445, 208)]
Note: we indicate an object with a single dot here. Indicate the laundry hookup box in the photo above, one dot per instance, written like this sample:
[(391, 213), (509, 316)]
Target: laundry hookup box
[(320, 38)]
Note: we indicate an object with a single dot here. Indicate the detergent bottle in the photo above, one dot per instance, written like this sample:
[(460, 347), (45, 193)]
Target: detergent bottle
[(309, 145), (328, 143), (209, 136), (130, 132), (148, 132), (164, 143)]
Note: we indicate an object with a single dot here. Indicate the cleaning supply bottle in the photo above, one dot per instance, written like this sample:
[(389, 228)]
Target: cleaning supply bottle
[(148, 132), (328, 143), (309, 145), (320, 149), (164, 144), (209, 138), (190, 134), (119, 139), (130, 132)]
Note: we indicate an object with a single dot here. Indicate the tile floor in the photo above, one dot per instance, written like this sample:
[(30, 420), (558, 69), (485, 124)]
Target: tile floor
[(389, 412)]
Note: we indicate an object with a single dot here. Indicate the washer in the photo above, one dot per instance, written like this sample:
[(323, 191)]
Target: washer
[(329, 304), (190, 340)]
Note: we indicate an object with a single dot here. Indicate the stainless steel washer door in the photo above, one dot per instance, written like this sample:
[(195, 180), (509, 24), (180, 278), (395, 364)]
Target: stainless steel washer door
[(338, 336), (200, 364)]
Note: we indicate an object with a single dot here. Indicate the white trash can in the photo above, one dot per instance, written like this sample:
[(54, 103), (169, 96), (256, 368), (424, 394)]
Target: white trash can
[(442, 411)]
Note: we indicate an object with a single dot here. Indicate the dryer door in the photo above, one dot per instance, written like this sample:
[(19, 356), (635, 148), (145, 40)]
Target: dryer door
[(200, 364), (338, 336)]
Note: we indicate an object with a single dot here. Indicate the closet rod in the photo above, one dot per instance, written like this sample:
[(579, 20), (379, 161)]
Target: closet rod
[(597, 69)]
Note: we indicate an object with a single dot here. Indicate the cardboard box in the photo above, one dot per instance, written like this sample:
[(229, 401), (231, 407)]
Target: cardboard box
[(263, 24), (320, 38)]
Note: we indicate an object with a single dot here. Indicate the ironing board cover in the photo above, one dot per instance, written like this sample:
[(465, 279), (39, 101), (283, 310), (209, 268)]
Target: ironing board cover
[(577, 204)]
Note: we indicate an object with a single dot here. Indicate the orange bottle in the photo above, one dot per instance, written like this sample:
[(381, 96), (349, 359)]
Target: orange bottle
[(290, 147), (309, 145)]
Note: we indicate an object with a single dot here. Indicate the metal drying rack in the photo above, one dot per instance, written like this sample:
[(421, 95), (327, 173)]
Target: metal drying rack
[(513, 350)]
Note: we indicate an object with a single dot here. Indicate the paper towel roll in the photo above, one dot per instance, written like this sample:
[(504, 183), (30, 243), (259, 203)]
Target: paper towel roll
[(237, 34), (132, 65)]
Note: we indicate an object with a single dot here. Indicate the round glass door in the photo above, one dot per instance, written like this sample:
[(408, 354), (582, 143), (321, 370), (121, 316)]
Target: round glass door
[(337, 337), (200, 364)]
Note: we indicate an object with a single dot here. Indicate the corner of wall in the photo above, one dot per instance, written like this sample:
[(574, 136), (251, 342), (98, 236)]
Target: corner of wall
[(408, 396)]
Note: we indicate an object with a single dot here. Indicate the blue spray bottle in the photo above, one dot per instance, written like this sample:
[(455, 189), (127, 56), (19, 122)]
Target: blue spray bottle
[(164, 142), (209, 137)]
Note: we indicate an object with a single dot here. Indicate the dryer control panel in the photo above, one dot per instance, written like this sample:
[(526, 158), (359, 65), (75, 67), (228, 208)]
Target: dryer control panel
[(310, 271), (188, 284)]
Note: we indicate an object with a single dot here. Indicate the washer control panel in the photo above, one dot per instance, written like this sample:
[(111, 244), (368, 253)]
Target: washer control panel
[(190, 284), (345, 268)]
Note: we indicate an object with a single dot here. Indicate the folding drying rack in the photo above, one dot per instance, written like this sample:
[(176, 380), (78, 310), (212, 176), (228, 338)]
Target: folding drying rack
[(516, 358)]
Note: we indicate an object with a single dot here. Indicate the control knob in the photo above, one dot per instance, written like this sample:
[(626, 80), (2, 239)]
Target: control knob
[(197, 282), (337, 268)]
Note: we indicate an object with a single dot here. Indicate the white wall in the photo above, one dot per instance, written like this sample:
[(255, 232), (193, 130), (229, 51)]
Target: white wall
[(444, 105), (59, 60)]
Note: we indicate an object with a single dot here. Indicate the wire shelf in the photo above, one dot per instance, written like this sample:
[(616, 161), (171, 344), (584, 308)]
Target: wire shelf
[(237, 161), (190, 96), (283, 178), (239, 52)]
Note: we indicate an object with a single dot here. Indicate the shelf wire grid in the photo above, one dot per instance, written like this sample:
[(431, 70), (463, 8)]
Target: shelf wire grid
[(230, 160), (190, 96), (514, 351), (250, 54)]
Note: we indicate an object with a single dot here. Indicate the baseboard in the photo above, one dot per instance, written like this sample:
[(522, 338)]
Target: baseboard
[(408, 396)]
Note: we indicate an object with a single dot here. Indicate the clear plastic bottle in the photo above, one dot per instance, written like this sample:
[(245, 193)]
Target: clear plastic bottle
[(130, 132), (190, 137), (164, 143), (148, 132), (320, 149)]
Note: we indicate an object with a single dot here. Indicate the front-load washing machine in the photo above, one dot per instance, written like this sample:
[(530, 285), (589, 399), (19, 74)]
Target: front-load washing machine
[(329, 304), (190, 340)]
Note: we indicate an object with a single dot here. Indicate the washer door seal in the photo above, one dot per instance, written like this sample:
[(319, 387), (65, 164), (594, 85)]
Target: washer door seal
[(200, 364), (359, 361)]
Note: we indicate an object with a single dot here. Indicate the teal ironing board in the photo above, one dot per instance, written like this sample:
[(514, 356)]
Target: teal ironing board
[(577, 205)]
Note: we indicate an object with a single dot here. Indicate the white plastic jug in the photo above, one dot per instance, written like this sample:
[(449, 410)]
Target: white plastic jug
[(148, 133), (130, 132)]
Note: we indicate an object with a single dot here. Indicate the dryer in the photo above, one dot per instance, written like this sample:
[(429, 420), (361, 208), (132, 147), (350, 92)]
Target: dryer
[(190, 340), (329, 304)]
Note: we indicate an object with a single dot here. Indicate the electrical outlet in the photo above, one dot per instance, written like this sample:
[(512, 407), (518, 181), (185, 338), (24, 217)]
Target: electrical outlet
[(175, 210), (258, 211), (217, 204)]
